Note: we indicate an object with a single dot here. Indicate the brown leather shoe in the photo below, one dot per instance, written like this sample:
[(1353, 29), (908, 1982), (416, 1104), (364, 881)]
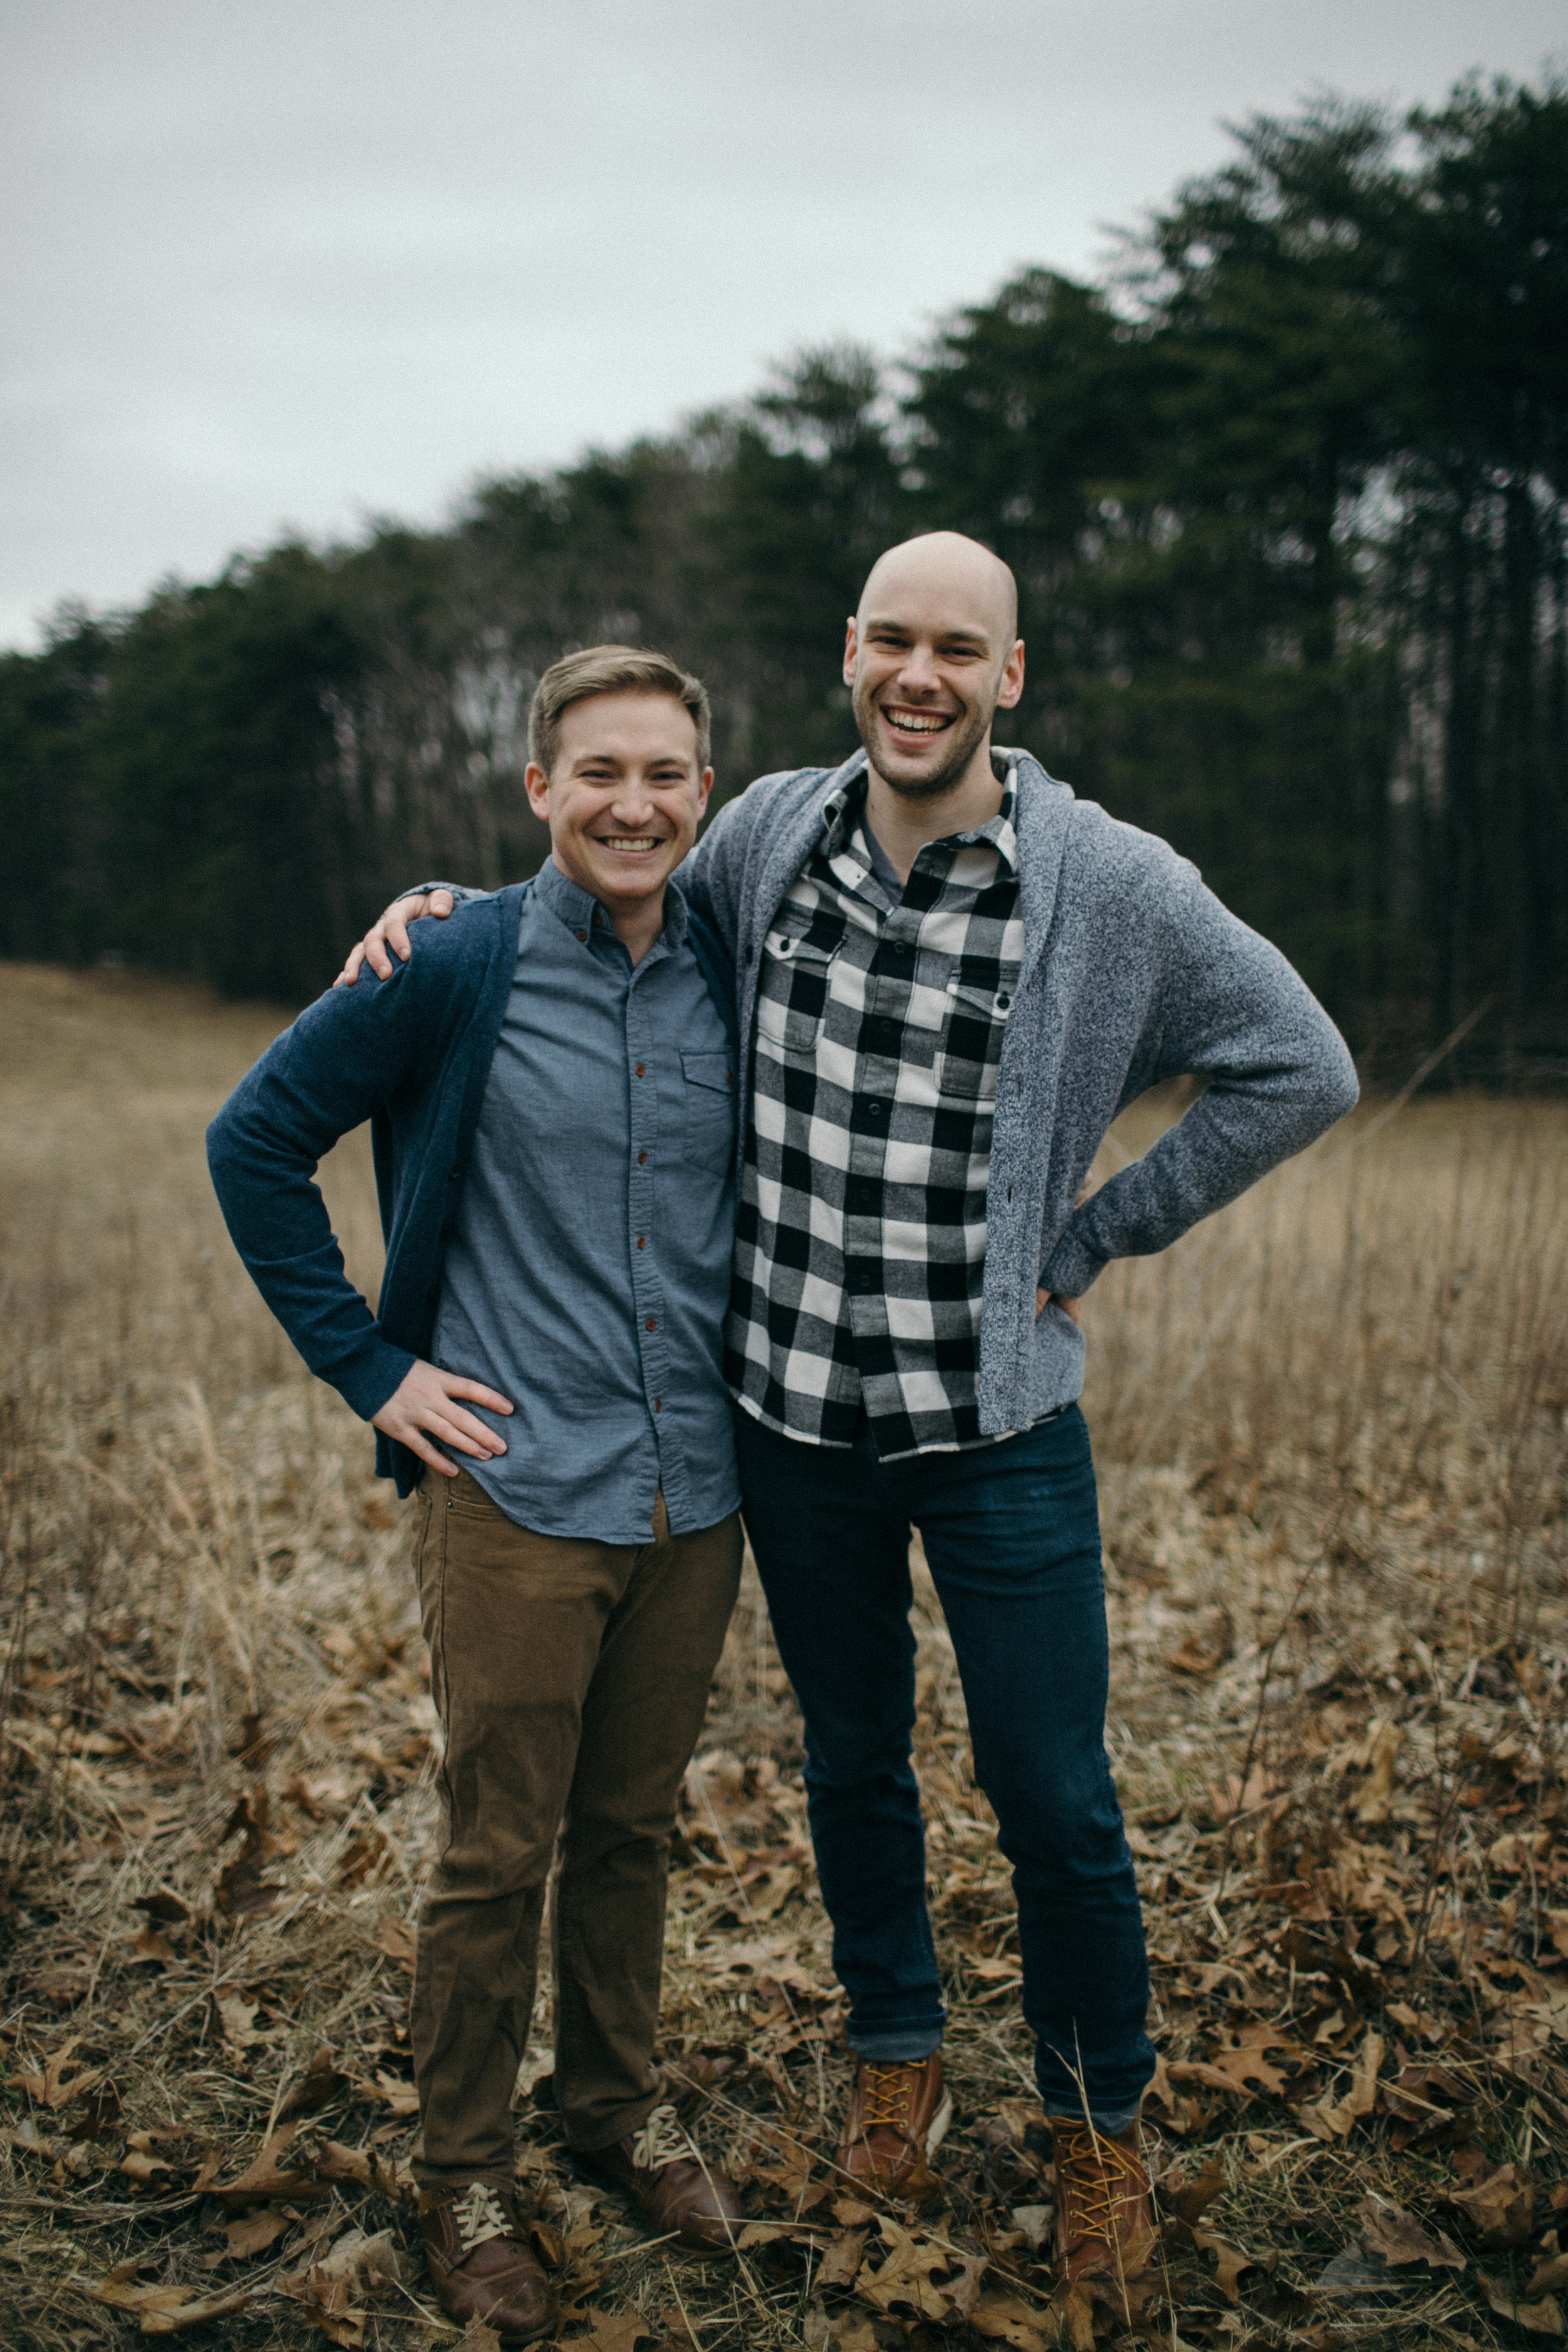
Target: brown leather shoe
[(480, 2263), (1105, 2223), (675, 2189), (897, 2120)]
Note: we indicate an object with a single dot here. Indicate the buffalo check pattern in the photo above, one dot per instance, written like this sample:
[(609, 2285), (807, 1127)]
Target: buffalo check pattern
[(860, 1240)]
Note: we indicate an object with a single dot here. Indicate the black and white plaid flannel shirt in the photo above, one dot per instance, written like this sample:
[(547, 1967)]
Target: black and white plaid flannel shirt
[(860, 1241)]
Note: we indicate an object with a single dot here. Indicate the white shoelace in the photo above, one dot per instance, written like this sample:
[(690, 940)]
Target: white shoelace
[(661, 2141), (478, 2214)]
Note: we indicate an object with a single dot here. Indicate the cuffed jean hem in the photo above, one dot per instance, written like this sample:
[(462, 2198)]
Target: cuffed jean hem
[(896, 2045), (1114, 2123)]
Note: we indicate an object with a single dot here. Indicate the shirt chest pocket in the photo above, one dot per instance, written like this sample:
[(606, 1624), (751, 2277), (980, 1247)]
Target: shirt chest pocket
[(791, 996), (973, 1029), (708, 1131)]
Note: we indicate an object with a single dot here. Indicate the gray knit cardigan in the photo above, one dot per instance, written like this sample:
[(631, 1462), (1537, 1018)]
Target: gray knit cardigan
[(1133, 973)]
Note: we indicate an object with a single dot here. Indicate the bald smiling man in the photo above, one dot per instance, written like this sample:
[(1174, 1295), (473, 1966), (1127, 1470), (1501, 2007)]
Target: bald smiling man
[(952, 976)]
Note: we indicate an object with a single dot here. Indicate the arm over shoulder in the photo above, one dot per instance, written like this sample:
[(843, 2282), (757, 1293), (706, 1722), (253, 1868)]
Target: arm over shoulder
[(1230, 1009)]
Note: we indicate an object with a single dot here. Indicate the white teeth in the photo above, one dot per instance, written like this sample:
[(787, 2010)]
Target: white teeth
[(630, 841), (915, 726)]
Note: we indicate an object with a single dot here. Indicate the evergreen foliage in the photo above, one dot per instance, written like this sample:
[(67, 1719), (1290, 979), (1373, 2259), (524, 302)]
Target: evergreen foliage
[(1286, 501)]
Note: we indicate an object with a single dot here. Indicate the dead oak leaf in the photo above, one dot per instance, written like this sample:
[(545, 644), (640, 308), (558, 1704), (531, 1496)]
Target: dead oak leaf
[(620, 2331), (1543, 2318), (842, 2259), (57, 2085), (252, 2234), (1500, 2209), (164, 2310), (1331, 2123), (1548, 2277), (238, 2016), (1386, 2229), (905, 2275), (1228, 2265), (1005, 2318)]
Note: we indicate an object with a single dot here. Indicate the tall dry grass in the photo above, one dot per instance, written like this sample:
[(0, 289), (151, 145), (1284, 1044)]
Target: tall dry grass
[(1330, 1431)]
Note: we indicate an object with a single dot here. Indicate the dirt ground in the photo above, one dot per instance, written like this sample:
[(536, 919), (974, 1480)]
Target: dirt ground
[(1331, 1433)]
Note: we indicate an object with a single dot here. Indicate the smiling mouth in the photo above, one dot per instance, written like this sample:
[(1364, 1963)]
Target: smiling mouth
[(915, 724), (630, 844)]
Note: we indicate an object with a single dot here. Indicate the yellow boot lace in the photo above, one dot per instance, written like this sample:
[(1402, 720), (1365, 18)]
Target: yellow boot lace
[(1096, 2176)]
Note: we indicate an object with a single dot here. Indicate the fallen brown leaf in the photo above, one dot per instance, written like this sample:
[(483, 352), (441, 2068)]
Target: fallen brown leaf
[(164, 2310), (252, 2234), (1005, 2319), (396, 1939), (1500, 2209), (842, 2259), (1333, 2122), (1388, 2229), (55, 2087), (1377, 1790), (905, 2277), (1190, 2200), (618, 2331), (264, 2178), (1543, 2318), (1228, 2265), (322, 2082)]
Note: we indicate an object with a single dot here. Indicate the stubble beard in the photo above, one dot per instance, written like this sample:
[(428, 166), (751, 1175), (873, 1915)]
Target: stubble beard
[(968, 734)]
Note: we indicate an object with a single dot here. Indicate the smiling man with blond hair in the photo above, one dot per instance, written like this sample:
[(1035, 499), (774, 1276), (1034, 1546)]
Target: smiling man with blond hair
[(952, 976), (552, 1080)]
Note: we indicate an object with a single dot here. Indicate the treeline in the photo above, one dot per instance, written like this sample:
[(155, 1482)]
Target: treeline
[(1286, 501)]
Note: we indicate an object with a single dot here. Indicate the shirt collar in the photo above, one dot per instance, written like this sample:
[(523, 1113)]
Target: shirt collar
[(845, 808), (581, 911)]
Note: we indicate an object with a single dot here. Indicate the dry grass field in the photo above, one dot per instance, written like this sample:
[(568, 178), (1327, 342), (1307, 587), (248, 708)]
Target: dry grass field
[(1330, 1428)]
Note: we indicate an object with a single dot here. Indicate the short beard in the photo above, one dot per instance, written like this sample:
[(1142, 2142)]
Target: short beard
[(967, 737)]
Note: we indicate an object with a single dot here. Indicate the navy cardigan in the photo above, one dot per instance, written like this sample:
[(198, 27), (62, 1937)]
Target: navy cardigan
[(412, 1055)]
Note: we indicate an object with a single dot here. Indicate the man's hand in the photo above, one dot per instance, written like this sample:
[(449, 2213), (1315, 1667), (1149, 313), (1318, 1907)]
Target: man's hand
[(423, 1402), (391, 929), (1070, 1307)]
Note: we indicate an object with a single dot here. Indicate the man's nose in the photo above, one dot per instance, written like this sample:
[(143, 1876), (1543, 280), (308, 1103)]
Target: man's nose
[(633, 806), (918, 670)]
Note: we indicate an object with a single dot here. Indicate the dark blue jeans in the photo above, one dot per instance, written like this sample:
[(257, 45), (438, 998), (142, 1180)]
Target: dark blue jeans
[(1012, 1537)]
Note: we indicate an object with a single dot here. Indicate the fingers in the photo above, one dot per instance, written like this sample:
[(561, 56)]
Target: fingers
[(476, 1392), (375, 947), (439, 903), (350, 973), (417, 1443)]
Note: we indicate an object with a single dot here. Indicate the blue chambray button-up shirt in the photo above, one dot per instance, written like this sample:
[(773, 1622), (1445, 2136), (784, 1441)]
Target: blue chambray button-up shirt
[(589, 1272)]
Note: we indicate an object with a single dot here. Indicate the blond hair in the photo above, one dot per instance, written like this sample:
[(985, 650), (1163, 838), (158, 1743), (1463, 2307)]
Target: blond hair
[(611, 669)]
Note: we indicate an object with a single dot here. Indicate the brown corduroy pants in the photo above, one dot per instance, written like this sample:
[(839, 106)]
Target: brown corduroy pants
[(571, 1679)]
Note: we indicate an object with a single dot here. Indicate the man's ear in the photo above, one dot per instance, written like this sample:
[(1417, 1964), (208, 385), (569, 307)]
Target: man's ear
[(850, 650), (1012, 677), (703, 789), (536, 784)]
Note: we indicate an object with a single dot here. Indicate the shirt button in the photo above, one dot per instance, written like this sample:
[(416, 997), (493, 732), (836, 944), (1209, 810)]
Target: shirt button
[(652, 1323), (658, 1404), (641, 1156), (582, 935), (641, 1242), (639, 1069)]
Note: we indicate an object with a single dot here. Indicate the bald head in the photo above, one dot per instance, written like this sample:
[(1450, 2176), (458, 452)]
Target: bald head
[(944, 568), (931, 657)]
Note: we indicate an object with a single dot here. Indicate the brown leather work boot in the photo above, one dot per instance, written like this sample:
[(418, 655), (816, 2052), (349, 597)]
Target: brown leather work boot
[(897, 2118), (480, 2263), (1105, 2223), (675, 2189)]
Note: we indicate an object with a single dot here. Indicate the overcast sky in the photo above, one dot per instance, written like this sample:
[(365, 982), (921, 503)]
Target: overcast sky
[(290, 263)]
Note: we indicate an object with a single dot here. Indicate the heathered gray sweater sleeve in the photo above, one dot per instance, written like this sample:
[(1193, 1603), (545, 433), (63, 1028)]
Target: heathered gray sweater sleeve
[(1227, 1008)]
